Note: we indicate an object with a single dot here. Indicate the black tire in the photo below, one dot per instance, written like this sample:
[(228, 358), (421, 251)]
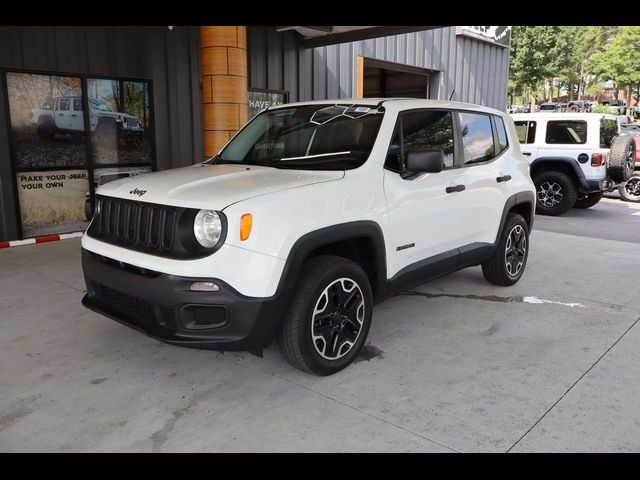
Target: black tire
[(497, 269), (622, 158), (46, 131), (564, 198), (588, 201), (630, 190), (88, 209), (106, 135), (320, 274)]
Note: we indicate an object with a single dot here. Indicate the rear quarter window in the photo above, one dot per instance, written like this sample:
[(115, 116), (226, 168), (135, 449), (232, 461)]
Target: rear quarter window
[(502, 134), (608, 130), (566, 132)]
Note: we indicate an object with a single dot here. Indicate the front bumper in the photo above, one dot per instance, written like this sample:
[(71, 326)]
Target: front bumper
[(164, 307)]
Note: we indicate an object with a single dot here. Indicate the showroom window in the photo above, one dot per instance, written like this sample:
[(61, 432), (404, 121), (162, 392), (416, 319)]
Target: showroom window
[(60, 156)]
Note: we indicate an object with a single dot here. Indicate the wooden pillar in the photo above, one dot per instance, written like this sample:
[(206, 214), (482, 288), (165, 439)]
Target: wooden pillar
[(223, 61)]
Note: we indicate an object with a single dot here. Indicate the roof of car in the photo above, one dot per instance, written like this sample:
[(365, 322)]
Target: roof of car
[(399, 103), (562, 115)]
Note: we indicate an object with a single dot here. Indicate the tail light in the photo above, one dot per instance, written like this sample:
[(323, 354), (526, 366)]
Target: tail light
[(597, 159)]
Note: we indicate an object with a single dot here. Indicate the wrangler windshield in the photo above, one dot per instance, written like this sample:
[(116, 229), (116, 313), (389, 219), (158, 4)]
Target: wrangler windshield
[(309, 137)]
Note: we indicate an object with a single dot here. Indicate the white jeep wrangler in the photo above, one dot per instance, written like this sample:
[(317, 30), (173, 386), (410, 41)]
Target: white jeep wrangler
[(64, 115), (574, 157), (312, 213)]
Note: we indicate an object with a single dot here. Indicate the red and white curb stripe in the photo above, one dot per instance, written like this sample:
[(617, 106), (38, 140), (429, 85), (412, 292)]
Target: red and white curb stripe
[(46, 238)]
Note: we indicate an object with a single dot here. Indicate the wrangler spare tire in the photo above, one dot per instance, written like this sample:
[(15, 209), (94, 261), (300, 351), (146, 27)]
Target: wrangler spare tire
[(622, 158)]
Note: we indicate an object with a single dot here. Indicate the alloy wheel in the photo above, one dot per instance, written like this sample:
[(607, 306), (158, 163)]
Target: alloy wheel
[(337, 320), (515, 250), (550, 194), (632, 187)]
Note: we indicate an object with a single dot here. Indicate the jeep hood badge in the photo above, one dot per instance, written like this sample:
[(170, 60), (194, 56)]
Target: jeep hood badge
[(138, 192)]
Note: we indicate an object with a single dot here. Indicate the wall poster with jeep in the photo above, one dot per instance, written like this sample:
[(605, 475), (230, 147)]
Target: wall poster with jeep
[(60, 157)]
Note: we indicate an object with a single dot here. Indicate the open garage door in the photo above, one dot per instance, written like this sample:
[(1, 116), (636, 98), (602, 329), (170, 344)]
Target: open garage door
[(378, 78)]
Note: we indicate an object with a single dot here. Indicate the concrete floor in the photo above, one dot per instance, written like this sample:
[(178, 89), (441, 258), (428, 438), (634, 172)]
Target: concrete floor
[(549, 364)]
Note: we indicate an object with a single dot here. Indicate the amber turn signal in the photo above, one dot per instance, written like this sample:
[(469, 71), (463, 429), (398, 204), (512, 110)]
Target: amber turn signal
[(245, 226)]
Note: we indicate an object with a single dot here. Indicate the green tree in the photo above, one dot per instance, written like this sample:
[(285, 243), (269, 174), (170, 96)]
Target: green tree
[(591, 40), (530, 61), (619, 60)]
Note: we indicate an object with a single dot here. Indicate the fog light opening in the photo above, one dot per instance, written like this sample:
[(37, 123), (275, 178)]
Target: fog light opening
[(204, 287)]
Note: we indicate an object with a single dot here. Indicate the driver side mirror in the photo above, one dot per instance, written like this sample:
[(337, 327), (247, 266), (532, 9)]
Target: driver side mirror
[(428, 160)]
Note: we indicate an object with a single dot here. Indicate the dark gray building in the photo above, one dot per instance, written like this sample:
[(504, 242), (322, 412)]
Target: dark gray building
[(160, 97)]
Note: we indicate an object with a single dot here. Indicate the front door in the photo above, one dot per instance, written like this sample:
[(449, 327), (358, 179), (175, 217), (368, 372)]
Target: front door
[(427, 214)]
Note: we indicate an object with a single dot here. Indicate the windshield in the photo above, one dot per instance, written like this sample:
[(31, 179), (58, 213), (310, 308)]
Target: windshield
[(98, 105), (309, 137)]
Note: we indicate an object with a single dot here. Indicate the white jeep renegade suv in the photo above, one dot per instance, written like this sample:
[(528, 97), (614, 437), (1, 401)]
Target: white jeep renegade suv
[(312, 213)]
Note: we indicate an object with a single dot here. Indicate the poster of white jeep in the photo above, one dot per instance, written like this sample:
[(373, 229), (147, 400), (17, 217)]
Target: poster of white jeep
[(65, 131)]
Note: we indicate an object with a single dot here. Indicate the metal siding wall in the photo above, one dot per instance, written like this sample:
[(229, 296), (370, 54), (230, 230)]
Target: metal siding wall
[(171, 59), (477, 70)]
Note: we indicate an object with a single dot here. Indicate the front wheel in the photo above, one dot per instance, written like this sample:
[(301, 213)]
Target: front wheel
[(630, 190), (556, 193), (507, 264), (329, 317)]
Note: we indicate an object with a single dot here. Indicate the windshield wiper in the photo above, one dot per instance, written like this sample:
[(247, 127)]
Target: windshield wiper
[(332, 154)]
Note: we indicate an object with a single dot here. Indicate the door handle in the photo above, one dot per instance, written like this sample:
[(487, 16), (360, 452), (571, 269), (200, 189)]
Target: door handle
[(504, 178), (528, 154), (457, 188)]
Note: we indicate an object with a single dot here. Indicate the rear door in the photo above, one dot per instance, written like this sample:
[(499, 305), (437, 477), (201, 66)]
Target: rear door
[(77, 118), (486, 168), (575, 138), (63, 114)]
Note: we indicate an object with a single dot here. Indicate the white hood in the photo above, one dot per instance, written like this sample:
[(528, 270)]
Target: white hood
[(211, 186)]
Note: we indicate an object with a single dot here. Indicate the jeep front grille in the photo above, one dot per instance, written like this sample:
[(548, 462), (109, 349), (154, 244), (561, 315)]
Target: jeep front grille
[(131, 122), (134, 224), (146, 227)]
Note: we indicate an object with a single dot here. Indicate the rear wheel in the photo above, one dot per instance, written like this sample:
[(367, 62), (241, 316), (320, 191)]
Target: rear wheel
[(508, 262), (630, 190), (556, 193), (46, 131), (588, 201), (329, 317)]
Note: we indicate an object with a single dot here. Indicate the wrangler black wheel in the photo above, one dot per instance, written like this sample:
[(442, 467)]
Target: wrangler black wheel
[(556, 193)]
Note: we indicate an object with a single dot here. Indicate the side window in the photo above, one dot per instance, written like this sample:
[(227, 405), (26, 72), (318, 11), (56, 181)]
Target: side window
[(429, 129), (77, 104), (608, 130), (502, 134), (421, 129), (526, 131), (477, 138), (64, 104), (571, 132)]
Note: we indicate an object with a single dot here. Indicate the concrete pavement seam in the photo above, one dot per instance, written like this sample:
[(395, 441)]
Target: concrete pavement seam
[(573, 385), (328, 397)]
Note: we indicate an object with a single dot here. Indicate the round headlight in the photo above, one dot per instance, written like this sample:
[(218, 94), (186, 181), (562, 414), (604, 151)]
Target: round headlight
[(207, 228)]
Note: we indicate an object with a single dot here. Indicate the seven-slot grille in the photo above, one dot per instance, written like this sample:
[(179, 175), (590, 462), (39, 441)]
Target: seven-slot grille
[(144, 226), (131, 122)]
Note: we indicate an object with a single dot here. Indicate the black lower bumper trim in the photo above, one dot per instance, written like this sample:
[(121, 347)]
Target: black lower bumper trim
[(164, 307)]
